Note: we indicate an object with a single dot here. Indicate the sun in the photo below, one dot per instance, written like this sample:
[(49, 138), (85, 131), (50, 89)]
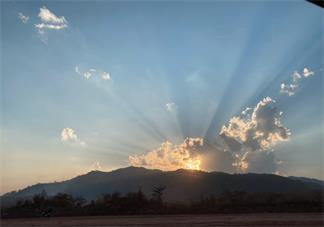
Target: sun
[(193, 164)]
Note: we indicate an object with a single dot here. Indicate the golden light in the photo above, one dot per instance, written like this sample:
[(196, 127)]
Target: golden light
[(193, 164)]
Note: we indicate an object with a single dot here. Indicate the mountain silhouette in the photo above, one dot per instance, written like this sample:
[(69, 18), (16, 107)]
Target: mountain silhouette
[(181, 185)]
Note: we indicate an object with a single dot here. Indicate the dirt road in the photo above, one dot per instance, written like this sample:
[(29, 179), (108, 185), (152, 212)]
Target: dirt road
[(260, 220)]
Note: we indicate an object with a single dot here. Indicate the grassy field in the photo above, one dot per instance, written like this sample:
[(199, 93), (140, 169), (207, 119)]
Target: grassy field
[(307, 220)]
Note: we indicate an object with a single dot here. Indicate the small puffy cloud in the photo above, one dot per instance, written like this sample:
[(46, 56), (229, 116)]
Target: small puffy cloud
[(307, 73), (291, 88), (92, 72), (171, 107), (171, 156), (296, 76), (105, 76), (69, 135), (87, 75), (23, 18), (49, 21), (48, 17)]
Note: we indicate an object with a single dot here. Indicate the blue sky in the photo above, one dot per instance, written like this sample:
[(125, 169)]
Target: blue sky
[(176, 70)]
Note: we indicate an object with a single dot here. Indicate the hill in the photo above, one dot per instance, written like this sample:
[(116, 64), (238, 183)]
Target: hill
[(182, 185)]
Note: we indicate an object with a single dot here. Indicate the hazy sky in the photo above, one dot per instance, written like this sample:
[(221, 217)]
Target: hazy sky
[(86, 85)]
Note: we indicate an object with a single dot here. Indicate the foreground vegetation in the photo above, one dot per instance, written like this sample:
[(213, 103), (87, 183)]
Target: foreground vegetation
[(42, 205)]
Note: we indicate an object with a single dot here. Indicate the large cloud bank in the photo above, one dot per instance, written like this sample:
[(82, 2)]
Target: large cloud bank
[(244, 144), (251, 136)]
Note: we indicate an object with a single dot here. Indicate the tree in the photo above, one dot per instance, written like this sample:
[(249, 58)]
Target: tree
[(157, 194)]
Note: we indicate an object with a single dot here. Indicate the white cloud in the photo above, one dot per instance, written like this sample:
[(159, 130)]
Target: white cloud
[(77, 70), (69, 135), (41, 27), (48, 17), (92, 72), (171, 156), (256, 129), (96, 166), (307, 73), (296, 77), (87, 75), (49, 21), (23, 18), (171, 107), (105, 76), (291, 88)]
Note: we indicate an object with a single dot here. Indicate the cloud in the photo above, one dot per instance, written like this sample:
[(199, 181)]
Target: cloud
[(261, 161), (48, 17), (105, 76), (41, 27), (171, 107), (49, 21), (96, 166), (23, 18), (245, 144), (307, 73), (77, 70), (69, 135), (171, 156), (87, 75), (291, 88), (255, 130), (92, 72)]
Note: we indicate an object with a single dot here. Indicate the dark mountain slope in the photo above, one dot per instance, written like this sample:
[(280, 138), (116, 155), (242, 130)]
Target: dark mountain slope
[(182, 185)]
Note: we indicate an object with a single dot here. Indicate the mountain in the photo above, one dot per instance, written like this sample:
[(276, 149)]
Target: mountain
[(308, 180), (182, 185)]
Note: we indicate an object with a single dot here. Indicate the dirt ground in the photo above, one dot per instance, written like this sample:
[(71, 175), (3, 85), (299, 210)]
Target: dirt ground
[(307, 220)]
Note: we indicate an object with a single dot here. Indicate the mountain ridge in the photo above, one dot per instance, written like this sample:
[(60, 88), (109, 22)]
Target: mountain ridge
[(182, 184)]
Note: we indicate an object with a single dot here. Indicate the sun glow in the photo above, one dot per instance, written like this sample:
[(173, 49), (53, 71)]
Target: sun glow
[(193, 164)]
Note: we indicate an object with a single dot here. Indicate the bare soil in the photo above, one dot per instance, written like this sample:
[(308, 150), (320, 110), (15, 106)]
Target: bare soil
[(237, 220)]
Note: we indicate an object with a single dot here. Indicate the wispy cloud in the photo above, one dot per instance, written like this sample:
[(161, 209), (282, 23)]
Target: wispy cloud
[(171, 107), (23, 18), (291, 88), (49, 21), (77, 70), (88, 73), (96, 166)]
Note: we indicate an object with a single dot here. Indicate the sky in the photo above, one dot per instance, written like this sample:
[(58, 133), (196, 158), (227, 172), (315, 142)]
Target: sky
[(218, 86)]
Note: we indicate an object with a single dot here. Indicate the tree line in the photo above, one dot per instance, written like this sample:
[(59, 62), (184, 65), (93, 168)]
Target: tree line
[(62, 204)]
